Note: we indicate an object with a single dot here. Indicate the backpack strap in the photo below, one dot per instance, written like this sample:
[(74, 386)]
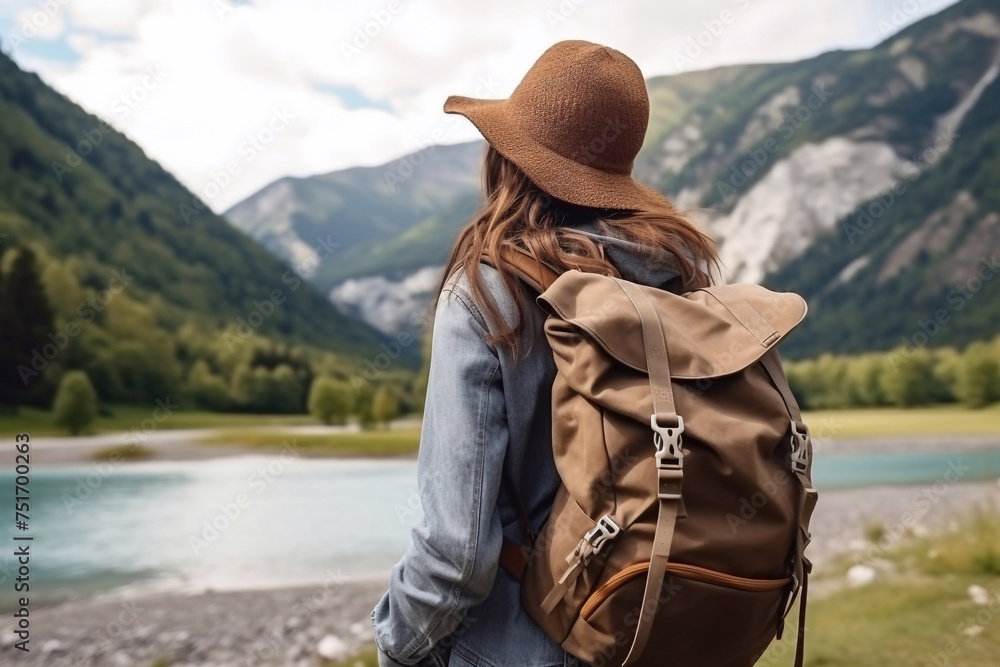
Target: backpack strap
[(667, 428), (538, 276), (801, 463), (530, 270)]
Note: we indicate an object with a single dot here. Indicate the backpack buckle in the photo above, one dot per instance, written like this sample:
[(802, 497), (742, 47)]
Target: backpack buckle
[(605, 530), (800, 448), (667, 440)]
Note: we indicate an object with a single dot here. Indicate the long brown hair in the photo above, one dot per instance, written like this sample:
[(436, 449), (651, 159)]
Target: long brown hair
[(516, 211)]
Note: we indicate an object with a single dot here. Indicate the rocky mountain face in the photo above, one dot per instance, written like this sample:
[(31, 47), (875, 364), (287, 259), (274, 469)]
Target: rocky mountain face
[(865, 180)]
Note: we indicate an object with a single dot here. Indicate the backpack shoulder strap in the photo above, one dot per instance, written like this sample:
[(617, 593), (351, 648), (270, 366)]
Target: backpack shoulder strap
[(530, 270), (538, 276), (802, 452)]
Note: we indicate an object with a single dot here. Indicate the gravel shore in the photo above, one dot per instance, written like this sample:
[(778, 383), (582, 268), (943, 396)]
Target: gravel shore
[(294, 626)]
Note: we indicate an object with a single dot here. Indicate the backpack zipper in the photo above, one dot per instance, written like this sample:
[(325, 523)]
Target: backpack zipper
[(685, 571)]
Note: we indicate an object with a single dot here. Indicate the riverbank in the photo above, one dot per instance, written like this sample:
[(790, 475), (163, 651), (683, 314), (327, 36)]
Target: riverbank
[(401, 440), (124, 418), (207, 443), (288, 626), (934, 420)]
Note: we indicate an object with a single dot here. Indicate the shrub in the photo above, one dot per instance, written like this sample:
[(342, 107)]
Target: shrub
[(330, 401), (385, 406), (75, 406), (208, 391), (978, 380), (908, 378)]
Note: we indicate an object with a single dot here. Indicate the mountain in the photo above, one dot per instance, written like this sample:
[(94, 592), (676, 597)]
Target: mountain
[(861, 179), (96, 206), (357, 209), (380, 227)]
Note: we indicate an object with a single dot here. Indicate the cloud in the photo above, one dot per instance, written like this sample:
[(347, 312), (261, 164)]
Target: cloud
[(46, 25), (363, 82)]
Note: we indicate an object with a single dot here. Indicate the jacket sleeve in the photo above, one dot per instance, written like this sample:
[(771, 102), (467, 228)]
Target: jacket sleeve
[(452, 562)]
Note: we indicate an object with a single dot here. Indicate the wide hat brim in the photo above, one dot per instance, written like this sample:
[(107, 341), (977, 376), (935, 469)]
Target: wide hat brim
[(553, 173)]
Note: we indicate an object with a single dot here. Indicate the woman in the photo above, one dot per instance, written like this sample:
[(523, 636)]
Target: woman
[(558, 185)]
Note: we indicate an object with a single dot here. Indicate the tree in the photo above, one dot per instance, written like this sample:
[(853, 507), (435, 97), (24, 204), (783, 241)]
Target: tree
[(207, 390), (978, 381), (27, 324), (75, 406), (385, 406), (420, 389), (330, 401), (908, 378), (946, 363), (10, 337), (864, 380), (284, 391)]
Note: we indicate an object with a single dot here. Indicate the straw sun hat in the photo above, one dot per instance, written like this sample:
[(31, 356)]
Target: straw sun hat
[(574, 125)]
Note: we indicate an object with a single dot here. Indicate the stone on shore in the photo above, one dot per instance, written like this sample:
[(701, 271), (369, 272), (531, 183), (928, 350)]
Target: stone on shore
[(332, 647)]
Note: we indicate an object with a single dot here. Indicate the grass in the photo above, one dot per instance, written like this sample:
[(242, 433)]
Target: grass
[(124, 418), (923, 616), (122, 453), (851, 423), (367, 658), (394, 442), (971, 548), (885, 422), (921, 621)]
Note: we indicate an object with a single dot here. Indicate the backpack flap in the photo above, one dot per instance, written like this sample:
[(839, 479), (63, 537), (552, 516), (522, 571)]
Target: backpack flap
[(712, 332)]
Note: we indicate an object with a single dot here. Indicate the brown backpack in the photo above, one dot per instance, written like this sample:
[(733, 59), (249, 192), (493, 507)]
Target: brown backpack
[(677, 536)]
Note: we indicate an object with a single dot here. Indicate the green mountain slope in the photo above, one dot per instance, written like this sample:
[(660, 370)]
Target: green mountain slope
[(77, 188), (155, 298)]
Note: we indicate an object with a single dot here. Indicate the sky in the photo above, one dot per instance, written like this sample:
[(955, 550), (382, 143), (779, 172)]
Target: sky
[(230, 96)]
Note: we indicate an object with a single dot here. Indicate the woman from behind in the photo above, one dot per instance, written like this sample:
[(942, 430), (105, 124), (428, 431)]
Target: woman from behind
[(559, 191)]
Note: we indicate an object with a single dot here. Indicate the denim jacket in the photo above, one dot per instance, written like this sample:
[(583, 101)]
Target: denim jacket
[(448, 602)]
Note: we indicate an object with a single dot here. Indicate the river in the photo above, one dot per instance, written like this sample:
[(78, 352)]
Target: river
[(256, 521)]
